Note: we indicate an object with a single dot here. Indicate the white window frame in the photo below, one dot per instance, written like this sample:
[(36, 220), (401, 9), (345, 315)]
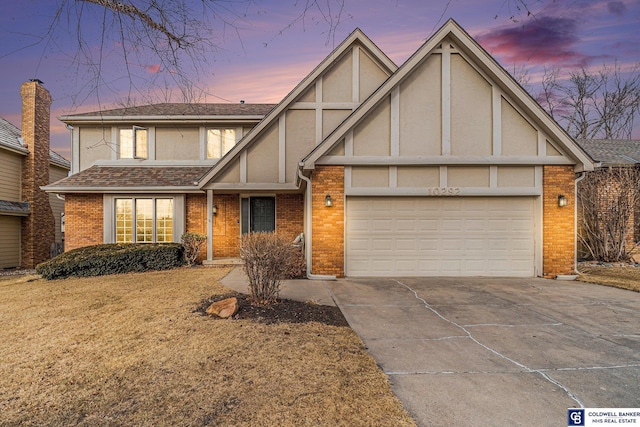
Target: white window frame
[(237, 136), (134, 141), (109, 212)]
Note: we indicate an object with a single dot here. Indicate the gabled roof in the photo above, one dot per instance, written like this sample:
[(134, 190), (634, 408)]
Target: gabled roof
[(485, 61), (131, 178), (174, 111), (356, 36), (11, 139), (612, 152)]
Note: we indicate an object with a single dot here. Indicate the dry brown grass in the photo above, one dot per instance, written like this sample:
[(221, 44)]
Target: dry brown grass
[(619, 277), (127, 350)]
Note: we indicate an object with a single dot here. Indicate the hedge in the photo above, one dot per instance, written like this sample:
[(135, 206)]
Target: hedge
[(115, 258)]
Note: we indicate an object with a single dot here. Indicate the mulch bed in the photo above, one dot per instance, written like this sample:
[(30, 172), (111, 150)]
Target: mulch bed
[(283, 311)]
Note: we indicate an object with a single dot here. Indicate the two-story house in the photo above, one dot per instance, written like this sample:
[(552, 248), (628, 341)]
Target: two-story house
[(30, 219), (443, 166)]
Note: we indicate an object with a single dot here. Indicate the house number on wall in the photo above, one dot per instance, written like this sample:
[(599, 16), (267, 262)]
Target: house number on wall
[(443, 191)]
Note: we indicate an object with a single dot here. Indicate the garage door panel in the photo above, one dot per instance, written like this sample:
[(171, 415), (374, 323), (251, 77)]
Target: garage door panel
[(473, 236)]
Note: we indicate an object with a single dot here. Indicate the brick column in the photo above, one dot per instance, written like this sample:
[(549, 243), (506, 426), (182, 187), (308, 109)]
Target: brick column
[(196, 219), (38, 229), (327, 224), (559, 234), (226, 226)]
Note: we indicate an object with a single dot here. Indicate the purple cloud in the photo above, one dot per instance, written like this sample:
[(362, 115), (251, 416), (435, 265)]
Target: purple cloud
[(545, 40), (617, 8)]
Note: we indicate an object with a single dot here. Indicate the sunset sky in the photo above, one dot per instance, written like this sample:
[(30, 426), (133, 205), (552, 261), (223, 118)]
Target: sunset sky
[(264, 48)]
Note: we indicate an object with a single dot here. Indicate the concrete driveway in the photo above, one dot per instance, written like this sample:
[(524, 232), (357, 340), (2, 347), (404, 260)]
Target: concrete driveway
[(479, 351)]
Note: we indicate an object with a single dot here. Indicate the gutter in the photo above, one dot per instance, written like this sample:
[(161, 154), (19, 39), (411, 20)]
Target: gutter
[(307, 224), (575, 219)]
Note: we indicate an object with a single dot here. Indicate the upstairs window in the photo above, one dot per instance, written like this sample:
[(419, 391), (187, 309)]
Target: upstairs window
[(219, 142), (133, 143)]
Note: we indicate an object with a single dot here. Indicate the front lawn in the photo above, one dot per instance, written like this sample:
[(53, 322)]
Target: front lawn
[(625, 277), (130, 350)]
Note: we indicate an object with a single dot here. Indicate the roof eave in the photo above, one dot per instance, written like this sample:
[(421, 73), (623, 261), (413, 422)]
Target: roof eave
[(76, 120), (17, 150), (102, 189)]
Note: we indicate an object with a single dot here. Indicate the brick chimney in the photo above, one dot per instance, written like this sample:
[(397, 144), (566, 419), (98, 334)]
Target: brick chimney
[(38, 229)]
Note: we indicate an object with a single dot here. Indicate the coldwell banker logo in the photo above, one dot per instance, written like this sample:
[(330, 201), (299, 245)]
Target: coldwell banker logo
[(576, 417)]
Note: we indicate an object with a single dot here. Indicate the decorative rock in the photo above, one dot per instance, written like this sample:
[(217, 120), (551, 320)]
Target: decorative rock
[(224, 308)]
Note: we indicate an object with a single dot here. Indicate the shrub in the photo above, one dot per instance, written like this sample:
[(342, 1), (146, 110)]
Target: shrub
[(296, 265), (112, 259), (267, 257), (192, 244)]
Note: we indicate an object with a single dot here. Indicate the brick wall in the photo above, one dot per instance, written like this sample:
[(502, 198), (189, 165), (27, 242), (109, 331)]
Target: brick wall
[(226, 226), (38, 229), (83, 220), (558, 257), (328, 222), (196, 218), (290, 215)]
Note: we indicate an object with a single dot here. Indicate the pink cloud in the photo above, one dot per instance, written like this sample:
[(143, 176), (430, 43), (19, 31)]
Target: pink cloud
[(153, 69)]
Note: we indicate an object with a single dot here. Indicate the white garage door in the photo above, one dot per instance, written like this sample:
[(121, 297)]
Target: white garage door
[(431, 236), (9, 241)]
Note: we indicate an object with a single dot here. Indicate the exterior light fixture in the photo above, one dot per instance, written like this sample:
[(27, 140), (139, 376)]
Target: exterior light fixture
[(327, 201), (214, 209), (562, 200)]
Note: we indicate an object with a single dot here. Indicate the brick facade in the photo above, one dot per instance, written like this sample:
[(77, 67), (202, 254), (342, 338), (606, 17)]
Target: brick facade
[(196, 218), (328, 222), (84, 215), (37, 229), (226, 226), (558, 223), (290, 215)]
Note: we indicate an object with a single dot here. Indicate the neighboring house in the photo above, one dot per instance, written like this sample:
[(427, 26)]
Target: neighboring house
[(30, 219), (444, 166), (616, 153)]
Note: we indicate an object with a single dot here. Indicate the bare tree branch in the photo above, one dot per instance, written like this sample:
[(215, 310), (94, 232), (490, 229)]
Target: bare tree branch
[(593, 105)]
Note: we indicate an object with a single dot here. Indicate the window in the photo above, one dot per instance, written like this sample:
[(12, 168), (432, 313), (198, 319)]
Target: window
[(219, 142), (133, 143), (153, 220), (258, 214)]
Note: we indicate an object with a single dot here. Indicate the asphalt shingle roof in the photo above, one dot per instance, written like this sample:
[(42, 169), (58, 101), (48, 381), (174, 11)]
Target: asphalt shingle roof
[(612, 152), (9, 136), (14, 207), (182, 109), (122, 177)]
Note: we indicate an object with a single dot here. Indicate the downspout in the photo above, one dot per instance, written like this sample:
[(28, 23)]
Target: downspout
[(307, 231), (575, 219)]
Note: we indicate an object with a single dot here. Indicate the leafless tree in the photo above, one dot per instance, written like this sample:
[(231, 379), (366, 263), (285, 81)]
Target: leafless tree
[(171, 44), (607, 201), (593, 105), (166, 44)]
